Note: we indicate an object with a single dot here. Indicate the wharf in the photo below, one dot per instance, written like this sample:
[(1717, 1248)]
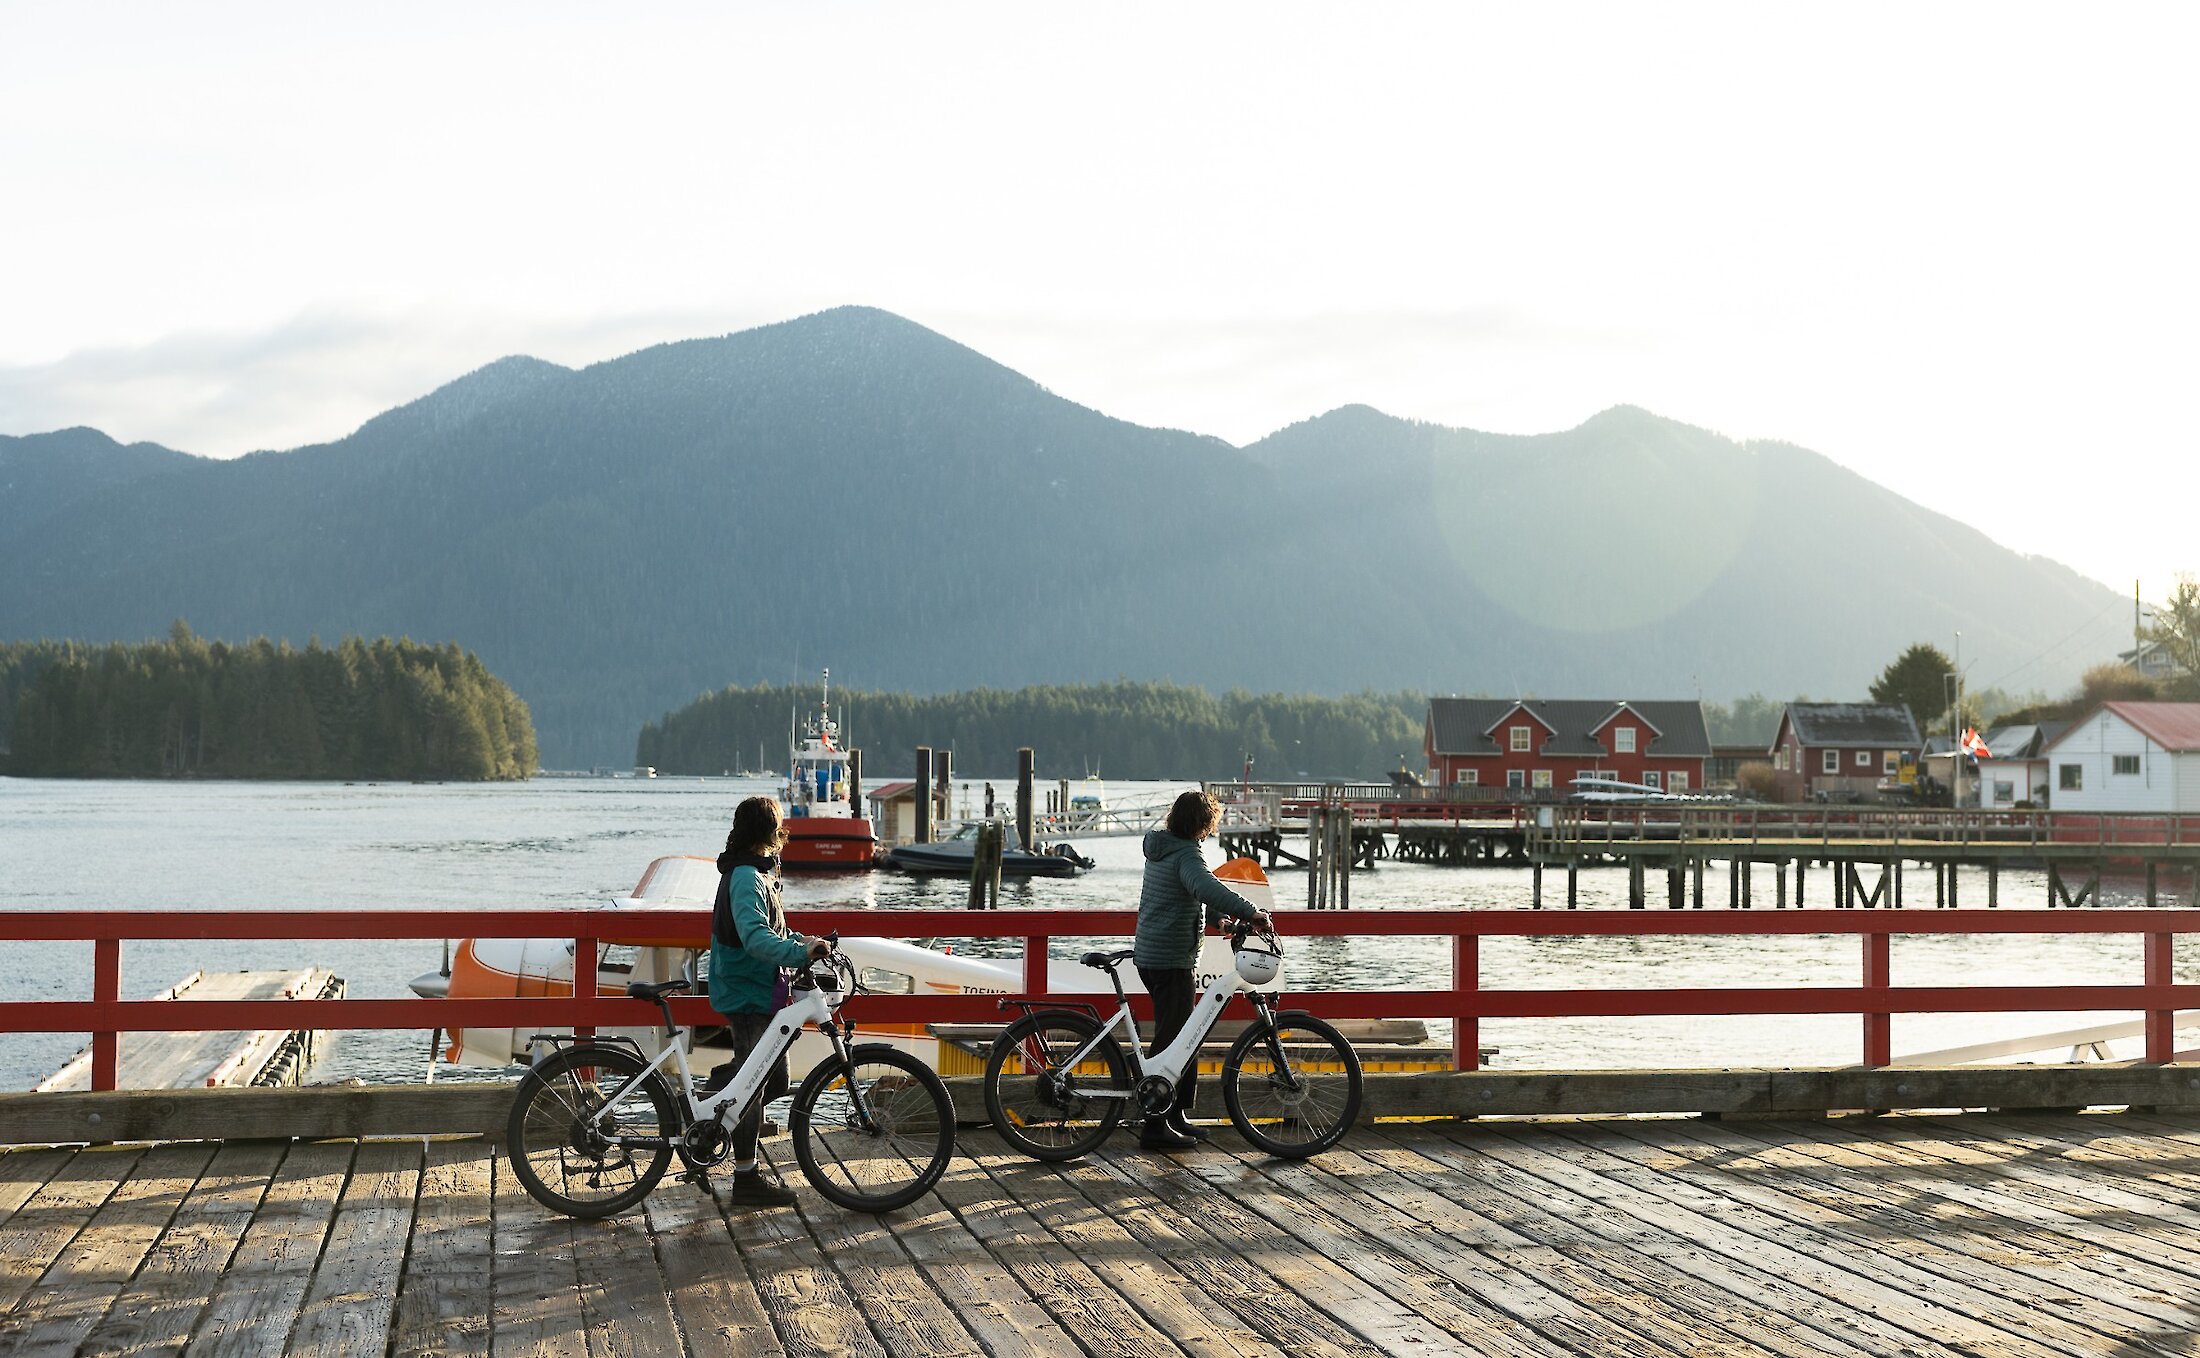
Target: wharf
[(189, 1060), (2027, 1236)]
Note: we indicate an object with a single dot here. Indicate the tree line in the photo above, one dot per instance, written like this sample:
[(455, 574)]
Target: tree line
[(188, 707)]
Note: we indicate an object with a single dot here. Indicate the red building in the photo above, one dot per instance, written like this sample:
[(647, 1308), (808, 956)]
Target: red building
[(1841, 750), (1536, 745)]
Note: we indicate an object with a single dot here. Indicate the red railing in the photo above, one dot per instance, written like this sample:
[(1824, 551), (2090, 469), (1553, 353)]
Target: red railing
[(1466, 1002)]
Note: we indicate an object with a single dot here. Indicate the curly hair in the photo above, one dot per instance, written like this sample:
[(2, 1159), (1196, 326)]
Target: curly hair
[(1193, 814), (757, 831)]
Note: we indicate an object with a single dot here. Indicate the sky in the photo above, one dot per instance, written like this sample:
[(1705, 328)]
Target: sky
[(1952, 247)]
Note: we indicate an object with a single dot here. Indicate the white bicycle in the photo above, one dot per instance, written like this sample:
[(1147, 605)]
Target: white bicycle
[(593, 1126), (1058, 1080)]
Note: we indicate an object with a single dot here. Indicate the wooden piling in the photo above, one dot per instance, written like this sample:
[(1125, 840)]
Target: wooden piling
[(855, 781), (985, 867), (943, 773), (1027, 765), (923, 795), (1573, 883)]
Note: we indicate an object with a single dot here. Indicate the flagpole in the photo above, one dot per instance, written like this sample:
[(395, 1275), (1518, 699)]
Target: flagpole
[(1955, 736)]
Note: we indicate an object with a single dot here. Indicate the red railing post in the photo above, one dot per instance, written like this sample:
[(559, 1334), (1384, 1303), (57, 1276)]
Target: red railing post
[(1878, 1024), (1035, 964), (584, 980), (2160, 1023), (106, 992), (1466, 978)]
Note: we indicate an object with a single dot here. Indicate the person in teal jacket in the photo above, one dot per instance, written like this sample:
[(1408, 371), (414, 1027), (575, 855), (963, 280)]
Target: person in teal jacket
[(1179, 898), (750, 949)]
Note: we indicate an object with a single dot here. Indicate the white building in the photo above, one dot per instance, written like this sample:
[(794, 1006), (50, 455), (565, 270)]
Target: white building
[(2128, 757), (2015, 773)]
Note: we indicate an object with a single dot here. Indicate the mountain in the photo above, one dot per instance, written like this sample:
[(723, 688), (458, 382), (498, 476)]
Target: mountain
[(854, 490)]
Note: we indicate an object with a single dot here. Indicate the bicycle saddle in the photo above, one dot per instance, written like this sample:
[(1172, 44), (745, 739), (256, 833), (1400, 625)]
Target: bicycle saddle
[(1106, 961), (639, 991)]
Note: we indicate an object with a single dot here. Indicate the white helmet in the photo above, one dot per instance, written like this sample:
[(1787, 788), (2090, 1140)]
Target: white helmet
[(1257, 966)]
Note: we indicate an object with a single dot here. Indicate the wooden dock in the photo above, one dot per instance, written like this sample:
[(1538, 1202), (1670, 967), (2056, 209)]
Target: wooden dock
[(2031, 1236), (188, 1060)]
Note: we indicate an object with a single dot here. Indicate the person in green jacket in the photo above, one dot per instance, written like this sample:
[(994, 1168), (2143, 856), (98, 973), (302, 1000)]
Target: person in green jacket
[(1178, 900), (750, 949)]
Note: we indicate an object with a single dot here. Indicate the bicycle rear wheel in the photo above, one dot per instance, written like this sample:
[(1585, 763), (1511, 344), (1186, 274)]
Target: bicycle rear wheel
[(875, 1132), (1042, 1100), (570, 1149), (1292, 1089)]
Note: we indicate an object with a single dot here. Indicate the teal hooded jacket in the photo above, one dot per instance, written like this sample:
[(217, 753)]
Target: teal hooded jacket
[(1178, 900), (750, 942)]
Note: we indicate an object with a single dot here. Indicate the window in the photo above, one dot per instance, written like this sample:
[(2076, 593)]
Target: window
[(2004, 792), (1623, 740), (1863, 759), (1516, 778), (1466, 777), (1649, 779), (2070, 777), (1780, 759), (1521, 735), (1542, 778), (1677, 783), (2126, 763), (1832, 761), (1890, 764)]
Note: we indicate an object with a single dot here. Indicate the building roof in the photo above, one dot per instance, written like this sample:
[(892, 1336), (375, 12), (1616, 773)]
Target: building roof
[(2173, 726), (886, 792), (1877, 726), (1470, 725)]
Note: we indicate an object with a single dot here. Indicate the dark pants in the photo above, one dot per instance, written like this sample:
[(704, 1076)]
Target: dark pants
[(746, 1030), (1174, 995)]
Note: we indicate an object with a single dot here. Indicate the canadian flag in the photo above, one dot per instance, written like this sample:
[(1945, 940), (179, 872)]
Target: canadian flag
[(1973, 744)]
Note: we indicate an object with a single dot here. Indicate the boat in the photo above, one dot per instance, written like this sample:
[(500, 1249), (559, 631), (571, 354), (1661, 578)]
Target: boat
[(824, 827), (953, 858)]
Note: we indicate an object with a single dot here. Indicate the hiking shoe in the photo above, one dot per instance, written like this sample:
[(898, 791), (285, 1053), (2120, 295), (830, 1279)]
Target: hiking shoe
[(758, 1189)]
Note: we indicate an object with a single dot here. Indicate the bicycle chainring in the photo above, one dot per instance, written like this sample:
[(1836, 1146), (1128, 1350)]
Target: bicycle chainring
[(704, 1145), (1156, 1095)]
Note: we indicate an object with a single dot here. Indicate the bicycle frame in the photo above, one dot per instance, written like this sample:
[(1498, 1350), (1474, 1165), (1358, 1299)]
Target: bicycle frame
[(1171, 1061), (813, 1005)]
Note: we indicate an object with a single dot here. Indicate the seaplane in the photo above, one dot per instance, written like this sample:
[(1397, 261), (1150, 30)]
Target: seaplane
[(506, 968)]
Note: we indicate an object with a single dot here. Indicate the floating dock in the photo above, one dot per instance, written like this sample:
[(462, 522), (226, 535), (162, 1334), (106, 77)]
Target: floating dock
[(186, 1060)]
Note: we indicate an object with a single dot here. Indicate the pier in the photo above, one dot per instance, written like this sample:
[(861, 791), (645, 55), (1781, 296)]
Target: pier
[(2033, 1236), (236, 1058)]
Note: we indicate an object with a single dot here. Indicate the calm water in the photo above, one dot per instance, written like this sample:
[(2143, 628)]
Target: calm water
[(94, 845)]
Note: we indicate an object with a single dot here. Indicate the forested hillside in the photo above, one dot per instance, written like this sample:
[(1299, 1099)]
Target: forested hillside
[(1121, 730), (853, 490), (192, 708)]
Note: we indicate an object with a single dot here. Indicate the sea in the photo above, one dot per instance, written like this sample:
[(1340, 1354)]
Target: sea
[(106, 845)]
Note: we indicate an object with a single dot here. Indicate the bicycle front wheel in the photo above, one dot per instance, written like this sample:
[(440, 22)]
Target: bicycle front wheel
[(1292, 1088), (875, 1132), (588, 1138), (1042, 1099)]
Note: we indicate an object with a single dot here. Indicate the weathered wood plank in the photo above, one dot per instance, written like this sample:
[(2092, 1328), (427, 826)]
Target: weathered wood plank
[(1957, 1316), (535, 1284), (1876, 1218), (908, 1313), (1320, 1258), (257, 1300), (314, 1113), (1170, 1302), (77, 1289), (158, 1310), (997, 1309), (36, 1232), (811, 1308), (1605, 1259), (1245, 1289), (624, 1299), (23, 1173), (441, 1310), (348, 1308), (713, 1298), (1084, 1306)]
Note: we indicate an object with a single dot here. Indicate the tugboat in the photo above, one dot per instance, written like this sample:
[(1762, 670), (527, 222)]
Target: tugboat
[(824, 829)]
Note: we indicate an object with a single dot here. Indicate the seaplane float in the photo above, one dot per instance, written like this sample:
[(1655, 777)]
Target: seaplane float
[(505, 968)]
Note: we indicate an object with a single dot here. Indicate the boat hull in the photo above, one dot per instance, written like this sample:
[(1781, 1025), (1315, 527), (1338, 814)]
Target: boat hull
[(829, 842), (952, 858)]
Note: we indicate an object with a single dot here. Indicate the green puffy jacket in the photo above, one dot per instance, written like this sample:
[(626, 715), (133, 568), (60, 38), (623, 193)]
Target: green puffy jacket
[(1170, 916)]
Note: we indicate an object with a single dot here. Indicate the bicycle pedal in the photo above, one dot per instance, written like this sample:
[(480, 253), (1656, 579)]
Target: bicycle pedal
[(701, 1179)]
